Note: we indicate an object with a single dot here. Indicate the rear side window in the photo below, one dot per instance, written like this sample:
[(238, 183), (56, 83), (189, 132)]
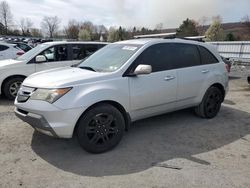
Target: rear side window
[(206, 56), (2, 47), (81, 51), (185, 55)]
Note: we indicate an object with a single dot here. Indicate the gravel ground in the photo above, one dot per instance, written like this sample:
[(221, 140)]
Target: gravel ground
[(172, 150)]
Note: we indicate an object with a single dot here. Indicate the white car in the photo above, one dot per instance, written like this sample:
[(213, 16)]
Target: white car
[(43, 57), (121, 83), (9, 51)]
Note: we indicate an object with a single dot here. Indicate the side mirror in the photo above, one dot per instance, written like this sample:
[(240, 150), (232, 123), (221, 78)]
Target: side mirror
[(143, 69), (40, 59)]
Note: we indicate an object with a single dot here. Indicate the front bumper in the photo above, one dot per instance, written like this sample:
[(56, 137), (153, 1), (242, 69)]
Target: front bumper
[(47, 118), (38, 122)]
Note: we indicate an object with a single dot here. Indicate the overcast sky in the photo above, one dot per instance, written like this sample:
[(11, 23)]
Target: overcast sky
[(129, 13)]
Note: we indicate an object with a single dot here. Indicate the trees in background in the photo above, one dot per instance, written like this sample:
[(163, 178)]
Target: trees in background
[(187, 28), (25, 26), (215, 32), (246, 22), (5, 16), (50, 24), (230, 37), (72, 29), (84, 34)]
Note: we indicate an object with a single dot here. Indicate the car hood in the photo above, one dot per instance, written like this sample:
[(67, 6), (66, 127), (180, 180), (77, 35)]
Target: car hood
[(62, 77), (9, 63)]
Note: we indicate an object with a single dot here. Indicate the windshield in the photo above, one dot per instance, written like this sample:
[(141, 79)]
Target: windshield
[(30, 54), (110, 58)]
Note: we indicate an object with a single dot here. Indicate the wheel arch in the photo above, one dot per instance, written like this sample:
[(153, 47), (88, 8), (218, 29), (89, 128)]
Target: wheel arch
[(117, 105), (220, 87), (9, 78)]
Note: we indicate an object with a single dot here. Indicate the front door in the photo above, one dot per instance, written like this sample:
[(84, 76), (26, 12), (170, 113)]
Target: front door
[(153, 93)]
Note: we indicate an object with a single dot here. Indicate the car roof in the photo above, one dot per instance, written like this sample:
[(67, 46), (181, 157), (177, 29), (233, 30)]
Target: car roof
[(7, 44), (151, 41), (74, 42), (145, 41)]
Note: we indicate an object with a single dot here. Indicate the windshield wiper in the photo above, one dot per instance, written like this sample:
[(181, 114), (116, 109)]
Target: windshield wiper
[(88, 68)]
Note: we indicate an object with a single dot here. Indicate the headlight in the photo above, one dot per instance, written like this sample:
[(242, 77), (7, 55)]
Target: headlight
[(49, 95)]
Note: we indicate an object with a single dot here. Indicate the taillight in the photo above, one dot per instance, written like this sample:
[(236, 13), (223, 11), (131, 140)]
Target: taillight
[(227, 67), (20, 53)]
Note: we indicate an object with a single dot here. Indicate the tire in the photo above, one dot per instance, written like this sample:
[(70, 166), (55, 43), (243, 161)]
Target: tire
[(11, 87), (100, 129), (210, 104)]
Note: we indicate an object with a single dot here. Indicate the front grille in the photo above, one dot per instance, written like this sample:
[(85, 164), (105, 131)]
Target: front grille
[(24, 94)]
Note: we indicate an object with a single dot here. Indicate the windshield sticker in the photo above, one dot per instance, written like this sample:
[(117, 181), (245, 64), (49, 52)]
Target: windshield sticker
[(132, 48)]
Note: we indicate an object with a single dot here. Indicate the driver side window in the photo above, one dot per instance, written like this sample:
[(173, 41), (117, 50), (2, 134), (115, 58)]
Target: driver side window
[(56, 53)]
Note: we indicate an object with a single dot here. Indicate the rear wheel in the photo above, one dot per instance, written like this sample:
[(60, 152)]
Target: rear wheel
[(211, 103), (101, 128), (11, 87)]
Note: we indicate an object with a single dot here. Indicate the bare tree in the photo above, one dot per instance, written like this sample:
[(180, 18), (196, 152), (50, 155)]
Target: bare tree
[(5, 15), (202, 22), (159, 26), (25, 25), (246, 22), (72, 30), (51, 25)]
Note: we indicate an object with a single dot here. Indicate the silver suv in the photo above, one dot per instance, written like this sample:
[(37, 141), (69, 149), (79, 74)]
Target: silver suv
[(121, 83)]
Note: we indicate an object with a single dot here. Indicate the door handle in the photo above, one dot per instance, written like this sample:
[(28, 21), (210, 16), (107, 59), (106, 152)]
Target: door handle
[(168, 78), (205, 71)]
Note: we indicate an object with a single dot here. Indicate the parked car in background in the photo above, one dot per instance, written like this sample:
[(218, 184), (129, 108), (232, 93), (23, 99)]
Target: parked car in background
[(42, 57), (9, 51), (22, 46), (121, 83)]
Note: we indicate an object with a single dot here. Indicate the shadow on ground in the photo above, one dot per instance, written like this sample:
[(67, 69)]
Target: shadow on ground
[(5, 102), (149, 141)]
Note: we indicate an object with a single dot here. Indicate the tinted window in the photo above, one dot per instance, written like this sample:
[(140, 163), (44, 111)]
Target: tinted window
[(158, 56), (168, 56), (207, 57), (184, 55), (56, 53), (2, 47), (24, 47), (81, 51)]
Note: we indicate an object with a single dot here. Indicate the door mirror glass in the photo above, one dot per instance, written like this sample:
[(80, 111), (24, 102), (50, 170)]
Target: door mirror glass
[(40, 59), (143, 69)]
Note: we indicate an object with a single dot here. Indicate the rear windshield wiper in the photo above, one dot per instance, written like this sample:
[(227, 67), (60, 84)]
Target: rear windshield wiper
[(88, 68)]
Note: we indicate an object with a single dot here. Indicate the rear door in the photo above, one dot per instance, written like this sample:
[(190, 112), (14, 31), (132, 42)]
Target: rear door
[(190, 71), (57, 56), (154, 93)]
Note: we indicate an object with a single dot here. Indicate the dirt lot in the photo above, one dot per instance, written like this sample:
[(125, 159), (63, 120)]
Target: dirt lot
[(172, 150)]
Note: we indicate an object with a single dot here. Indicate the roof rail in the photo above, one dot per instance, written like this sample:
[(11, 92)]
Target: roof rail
[(170, 36), (195, 38), (160, 35)]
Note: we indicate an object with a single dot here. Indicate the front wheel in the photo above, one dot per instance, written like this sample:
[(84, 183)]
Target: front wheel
[(101, 128), (211, 103), (11, 87)]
